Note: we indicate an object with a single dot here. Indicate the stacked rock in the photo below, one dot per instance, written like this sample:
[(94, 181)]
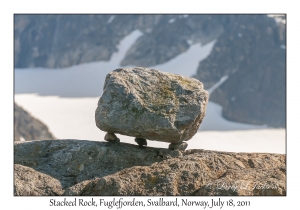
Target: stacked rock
[(150, 104)]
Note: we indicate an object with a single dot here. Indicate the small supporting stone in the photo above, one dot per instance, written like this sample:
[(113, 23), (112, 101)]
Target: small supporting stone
[(141, 142), (111, 137), (181, 146)]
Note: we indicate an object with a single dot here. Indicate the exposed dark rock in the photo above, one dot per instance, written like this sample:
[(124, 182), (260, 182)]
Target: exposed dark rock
[(63, 40), (251, 51), (56, 41), (141, 142), (79, 167), (28, 128)]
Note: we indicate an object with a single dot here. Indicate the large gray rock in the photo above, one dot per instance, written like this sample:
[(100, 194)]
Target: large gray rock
[(92, 168), (150, 104)]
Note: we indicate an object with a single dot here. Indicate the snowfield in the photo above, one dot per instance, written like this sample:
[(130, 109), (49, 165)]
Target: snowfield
[(66, 100)]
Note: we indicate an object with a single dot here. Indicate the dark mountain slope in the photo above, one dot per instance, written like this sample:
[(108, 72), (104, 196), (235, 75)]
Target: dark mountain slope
[(28, 127)]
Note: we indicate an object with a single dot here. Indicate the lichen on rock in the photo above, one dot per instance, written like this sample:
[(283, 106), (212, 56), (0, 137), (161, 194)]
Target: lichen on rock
[(93, 168), (150, 104)]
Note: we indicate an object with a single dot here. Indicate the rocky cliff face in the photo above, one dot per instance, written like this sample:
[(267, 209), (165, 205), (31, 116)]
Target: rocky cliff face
[(64, 40), (79, 167), (250, 50), (27, 128)]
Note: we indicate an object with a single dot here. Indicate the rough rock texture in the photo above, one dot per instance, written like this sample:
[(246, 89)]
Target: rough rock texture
[(80, 167), (150, 104), (31, 182), (27, 128)]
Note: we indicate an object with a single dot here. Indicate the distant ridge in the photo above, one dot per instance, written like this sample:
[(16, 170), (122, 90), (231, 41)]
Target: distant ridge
[(27, 128)]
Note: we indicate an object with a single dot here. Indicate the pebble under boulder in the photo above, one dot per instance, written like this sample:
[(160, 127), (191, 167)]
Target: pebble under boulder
[(150, 104)]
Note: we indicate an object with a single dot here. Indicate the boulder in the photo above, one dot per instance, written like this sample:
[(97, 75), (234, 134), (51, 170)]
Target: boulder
[(30, 182), (150, 104), (93, 168)]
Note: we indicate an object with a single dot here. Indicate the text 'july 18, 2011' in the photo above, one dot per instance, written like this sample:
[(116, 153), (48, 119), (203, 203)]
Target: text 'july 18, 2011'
[(119, 203)]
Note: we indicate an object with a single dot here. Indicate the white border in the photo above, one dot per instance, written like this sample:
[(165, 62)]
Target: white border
[(8, 8)]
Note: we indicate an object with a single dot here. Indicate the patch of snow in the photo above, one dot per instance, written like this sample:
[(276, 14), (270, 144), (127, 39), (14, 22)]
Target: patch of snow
[(232, 98), (185, 16), (172, 20), (278, 18), (87, 79), (83, 80), (215, 86), (282, 47), (22, 138), (111, 18), (189, 41), (187, 63), (240, 35)]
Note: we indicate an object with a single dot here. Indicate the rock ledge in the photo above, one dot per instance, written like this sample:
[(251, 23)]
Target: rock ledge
[(81, 167)]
